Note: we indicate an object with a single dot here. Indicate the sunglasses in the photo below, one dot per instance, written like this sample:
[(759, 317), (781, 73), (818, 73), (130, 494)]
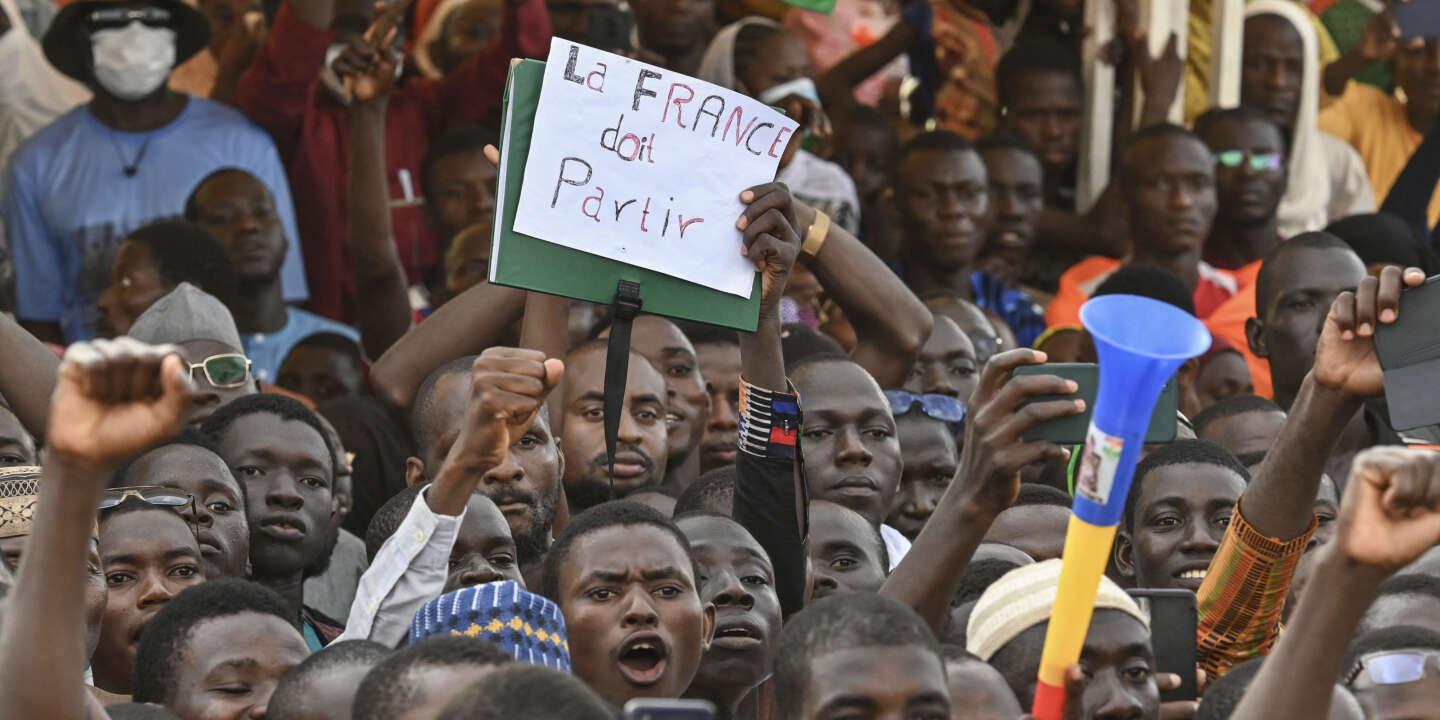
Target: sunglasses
[(122, 16), (937, 407), (1393, 668), (224, 371), (1259, 162), (148, 494)]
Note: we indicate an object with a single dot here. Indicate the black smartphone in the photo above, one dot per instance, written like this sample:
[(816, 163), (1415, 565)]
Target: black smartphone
[(1172, 636), (1071, 430), (1409, 353), (1417, 18), (608, 28), (664, 709)]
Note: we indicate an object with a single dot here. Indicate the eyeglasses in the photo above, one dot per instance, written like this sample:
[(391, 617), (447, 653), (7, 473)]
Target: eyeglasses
[(148, 494), (1393, 668), (224, 371), (938, 407), (1259, 162), (122, 16)]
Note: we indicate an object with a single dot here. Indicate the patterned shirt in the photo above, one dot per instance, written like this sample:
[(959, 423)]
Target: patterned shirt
[(1243, 595), (1015, 306)]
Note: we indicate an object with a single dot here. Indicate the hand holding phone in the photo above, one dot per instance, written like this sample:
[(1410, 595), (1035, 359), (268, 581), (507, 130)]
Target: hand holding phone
[(1072, 430)]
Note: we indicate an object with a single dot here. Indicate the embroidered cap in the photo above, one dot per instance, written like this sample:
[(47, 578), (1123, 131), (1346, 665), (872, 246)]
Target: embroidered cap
[(19, 494), (524, 624)]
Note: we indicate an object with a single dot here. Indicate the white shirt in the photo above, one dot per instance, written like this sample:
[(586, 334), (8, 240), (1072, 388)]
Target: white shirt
[(896, 544), (824, 186), (409, 570)]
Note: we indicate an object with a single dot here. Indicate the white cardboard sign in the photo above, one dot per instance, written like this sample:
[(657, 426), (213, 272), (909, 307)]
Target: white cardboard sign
[(642, 165)]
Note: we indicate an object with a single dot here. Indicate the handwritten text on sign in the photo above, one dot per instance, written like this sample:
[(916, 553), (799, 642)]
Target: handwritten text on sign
[(645, 166)]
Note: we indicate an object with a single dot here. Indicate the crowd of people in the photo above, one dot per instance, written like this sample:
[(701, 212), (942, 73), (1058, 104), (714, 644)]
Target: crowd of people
[(272, 446)]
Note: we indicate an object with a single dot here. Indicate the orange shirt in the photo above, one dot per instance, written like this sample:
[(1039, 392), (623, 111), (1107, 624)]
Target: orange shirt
[(1376, 125), (1228, 323), (1214, 288)]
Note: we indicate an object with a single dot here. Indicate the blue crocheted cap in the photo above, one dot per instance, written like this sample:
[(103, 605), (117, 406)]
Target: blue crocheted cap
[(527, 626)]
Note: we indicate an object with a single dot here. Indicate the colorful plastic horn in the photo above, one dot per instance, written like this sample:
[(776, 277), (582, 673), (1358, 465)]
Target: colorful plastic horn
[(1140, 343)]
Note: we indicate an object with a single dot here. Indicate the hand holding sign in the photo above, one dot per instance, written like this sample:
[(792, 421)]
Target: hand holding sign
[(770, 239), (639, 164)]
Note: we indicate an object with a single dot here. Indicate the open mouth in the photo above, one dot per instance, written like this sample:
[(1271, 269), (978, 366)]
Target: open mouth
[(642, 660), (1191, 579), (673, 418)]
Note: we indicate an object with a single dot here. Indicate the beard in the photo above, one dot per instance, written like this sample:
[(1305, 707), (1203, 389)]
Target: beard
[(534, 541)]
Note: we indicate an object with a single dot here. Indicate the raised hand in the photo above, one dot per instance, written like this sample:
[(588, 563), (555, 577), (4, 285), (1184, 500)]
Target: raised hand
[(116, 398), (508, 386), (1391, 512), (368, 69), (995, 450), (1381, 39), (770, 238), (1345, 354)]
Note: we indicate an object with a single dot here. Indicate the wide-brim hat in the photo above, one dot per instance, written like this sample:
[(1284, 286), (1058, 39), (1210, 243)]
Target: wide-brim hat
[(192, 34)]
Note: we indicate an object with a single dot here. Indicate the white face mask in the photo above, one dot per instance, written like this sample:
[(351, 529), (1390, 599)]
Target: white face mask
[(130, 62)]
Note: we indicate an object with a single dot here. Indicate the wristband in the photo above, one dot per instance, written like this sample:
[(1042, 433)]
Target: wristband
[(769, 421), (815, 237)]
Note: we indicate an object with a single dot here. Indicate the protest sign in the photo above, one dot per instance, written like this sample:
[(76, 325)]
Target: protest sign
[(644, 166)]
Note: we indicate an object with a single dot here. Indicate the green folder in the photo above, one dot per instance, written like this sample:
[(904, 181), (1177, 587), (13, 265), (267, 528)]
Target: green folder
[(522, 261)]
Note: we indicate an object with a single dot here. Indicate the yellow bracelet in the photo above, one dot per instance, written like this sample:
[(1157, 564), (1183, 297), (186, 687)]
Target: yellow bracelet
[(815, 237)]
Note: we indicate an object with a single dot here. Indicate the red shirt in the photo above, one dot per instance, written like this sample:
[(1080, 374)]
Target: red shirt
[(279, 92)]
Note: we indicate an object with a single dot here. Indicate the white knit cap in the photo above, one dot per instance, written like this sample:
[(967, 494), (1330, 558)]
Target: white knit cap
[(1024, 598)]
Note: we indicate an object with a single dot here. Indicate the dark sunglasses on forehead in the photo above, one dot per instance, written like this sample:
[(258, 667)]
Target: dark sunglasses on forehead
[(148, 494), (122, 16), (228, 370), (1396, 667), (937, 407), (1259, 162)]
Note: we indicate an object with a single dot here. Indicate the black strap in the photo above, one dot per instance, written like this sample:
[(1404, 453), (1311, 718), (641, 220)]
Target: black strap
[(617, 366)]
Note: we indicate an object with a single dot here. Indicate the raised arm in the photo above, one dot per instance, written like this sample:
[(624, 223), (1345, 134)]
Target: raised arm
[(1381, 40), (276, 89), (769, 490), (986, 482), (113, 400), (466, 325), (1346, 372), (837, 84), (891, 324), (1239, 612), (27, 376), (471, 92), (507, 388), (374, 262), (1389, 519)]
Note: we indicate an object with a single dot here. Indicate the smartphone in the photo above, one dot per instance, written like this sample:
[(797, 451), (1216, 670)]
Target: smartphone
[(1071, 430), (1409, 353), (609, 28), (663, 709), (1417, 18), (1172, 636)]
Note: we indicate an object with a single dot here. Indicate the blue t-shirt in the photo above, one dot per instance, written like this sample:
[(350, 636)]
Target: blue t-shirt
[(68, 203), (268, 351)]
